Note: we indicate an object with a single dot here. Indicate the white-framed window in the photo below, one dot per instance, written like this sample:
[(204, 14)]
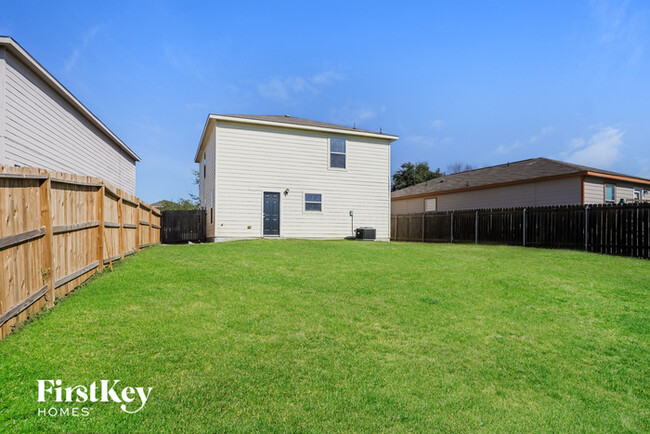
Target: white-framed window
[(205, 166), (338, 153), (430, 204), (313, 202), (610, 193), (638, 193)]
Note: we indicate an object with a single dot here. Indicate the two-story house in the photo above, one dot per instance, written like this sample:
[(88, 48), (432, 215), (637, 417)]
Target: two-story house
[(286, 177)]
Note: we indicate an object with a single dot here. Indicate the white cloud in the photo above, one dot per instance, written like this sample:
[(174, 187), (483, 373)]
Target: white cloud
[(601, 150), (620, 28), (438, 124), (354, 114), (288, 89), (327, 77), (71, 61), (284, 89), (505, 149)]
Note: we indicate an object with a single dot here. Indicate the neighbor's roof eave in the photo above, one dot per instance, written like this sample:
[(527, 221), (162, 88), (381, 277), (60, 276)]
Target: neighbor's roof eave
[(15, 48)]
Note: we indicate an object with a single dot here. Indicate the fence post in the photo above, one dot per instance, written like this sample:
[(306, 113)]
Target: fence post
[(451, 229), (587, 228), (524, 227), (47, 262), (138, 225), (100, 229), (396, 225), (423, 214), (476, 228), (121, 228), (150, 227)]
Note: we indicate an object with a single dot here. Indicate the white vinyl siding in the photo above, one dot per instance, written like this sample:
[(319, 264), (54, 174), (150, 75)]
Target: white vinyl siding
[(207, 183), (41, 129), (253, 159), (566, 191)]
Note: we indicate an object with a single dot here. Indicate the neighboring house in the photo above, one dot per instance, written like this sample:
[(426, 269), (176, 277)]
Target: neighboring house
[(534, 182), (281, 176), (43, 125)]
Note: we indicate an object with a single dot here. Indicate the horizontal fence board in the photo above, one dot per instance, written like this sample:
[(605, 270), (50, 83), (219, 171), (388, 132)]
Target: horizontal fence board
[(62, 229), (111, 225), (23, 305), (112, 259), (129, 226), (76, 183), (620, 229), (62, 281), (22, 176), (14, 240)]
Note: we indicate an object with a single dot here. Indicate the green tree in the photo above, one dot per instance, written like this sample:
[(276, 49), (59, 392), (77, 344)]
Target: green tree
[(413, 173)]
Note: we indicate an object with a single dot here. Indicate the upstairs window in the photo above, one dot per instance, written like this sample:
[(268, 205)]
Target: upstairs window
[(313, 202), (204, 166), (610, 193), (337, 153)]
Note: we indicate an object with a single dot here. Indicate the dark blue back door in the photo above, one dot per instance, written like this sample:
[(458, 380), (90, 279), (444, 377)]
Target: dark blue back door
[(271, 213)]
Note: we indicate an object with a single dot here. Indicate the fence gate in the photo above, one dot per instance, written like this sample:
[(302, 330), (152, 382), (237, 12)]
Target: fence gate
[(183, 226)]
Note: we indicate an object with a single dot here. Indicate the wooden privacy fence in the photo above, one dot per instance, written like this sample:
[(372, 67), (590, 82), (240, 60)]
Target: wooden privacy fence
[(621, 229), (181, 226), (56, 230)]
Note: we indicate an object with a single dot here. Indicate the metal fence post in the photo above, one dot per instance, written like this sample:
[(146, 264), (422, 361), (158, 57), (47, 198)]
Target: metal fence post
[(586, 227), (524, 227), (476, 228), (451, 229)]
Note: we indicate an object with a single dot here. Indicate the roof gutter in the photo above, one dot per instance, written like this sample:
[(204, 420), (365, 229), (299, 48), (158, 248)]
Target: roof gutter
[(14, 48)]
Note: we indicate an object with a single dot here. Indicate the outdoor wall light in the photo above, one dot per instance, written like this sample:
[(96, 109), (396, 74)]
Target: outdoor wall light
[(286, 191)]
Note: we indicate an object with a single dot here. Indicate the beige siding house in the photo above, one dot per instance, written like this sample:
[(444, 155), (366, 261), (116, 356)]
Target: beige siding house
[(286, 177), (43, 125), (534, 182)]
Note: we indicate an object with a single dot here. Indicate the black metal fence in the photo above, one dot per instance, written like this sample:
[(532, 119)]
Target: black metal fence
[(182, 226), (621, 229)]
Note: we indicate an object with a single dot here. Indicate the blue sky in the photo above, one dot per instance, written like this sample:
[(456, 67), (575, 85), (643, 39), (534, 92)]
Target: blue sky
[(478, 82)]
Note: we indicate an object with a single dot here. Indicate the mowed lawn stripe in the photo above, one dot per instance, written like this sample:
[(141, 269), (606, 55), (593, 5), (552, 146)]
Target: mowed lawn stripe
[(290, 335)]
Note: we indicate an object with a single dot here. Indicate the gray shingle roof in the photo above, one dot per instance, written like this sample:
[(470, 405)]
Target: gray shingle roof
[(502, 173), (286, 119)]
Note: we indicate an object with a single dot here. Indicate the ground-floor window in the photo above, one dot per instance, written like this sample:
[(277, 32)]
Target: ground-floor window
[(430, 205), (313, 202)]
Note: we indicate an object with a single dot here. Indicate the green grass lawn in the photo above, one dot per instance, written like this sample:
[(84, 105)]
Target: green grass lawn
[(346, 336)]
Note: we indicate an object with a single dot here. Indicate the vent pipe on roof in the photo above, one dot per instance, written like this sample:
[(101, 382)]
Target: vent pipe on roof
[(287, 116)]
